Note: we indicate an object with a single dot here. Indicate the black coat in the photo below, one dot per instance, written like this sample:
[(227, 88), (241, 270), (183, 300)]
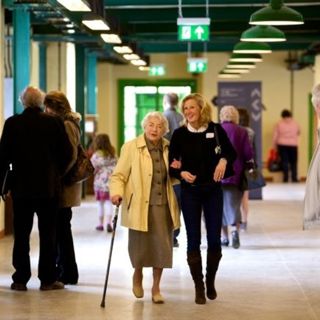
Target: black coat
[(37, 146)]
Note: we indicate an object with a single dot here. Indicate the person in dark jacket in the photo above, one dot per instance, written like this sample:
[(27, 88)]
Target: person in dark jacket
[(37, 148), (200, 155)]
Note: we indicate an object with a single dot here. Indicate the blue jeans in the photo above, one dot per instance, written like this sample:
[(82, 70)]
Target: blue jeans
[(177, 191), (209, 200)]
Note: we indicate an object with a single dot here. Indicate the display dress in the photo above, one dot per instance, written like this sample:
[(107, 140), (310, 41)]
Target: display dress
[(311, 217)]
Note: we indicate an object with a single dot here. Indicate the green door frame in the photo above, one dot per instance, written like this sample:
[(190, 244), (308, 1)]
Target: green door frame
[(122, 83)]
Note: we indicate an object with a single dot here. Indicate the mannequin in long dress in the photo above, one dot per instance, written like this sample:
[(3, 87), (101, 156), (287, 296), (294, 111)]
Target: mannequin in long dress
[(311, 215)]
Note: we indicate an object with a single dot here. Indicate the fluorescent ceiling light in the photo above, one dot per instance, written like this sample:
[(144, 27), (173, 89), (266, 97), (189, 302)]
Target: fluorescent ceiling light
[(122, 49), (263, 34), (241, 65), (143, 68), (97, 24), (138, 62), (110, 38), (276, 14), (228, 75), (131, 56), (75, 5), (252, 47)]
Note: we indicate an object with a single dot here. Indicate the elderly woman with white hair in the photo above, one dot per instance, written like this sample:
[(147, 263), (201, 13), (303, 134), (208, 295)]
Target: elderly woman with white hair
[(312, 197), (232, 195), (149, 208)]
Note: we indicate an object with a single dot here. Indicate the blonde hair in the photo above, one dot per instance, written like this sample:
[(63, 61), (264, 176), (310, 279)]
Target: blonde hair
[(205, 108), (158, 115), (229, 113), (316, 95)]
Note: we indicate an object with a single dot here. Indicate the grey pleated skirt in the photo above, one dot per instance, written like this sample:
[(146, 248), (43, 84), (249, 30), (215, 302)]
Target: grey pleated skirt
[(232, 197), (154, 247)]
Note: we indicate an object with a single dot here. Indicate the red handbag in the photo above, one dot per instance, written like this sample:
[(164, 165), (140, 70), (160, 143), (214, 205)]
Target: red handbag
[(274, 161)]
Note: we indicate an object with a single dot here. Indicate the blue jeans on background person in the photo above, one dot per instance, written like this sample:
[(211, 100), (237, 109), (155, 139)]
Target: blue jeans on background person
[(208, 199), (177, 191)]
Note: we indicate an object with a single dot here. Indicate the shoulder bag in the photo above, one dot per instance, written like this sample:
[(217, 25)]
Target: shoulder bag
[(81, 170)]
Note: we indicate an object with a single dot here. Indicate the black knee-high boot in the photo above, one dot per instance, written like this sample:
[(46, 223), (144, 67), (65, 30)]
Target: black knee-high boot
[(213, 259), (195, 265)]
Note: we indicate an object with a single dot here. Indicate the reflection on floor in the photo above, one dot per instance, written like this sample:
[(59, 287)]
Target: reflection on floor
[(274, 275)]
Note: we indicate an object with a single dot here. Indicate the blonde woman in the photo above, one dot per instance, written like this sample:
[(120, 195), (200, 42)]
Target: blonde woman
[(149, 209), (232, 195), (205, 157)]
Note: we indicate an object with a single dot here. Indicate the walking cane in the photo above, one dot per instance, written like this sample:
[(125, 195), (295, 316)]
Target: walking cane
[(102, 305)]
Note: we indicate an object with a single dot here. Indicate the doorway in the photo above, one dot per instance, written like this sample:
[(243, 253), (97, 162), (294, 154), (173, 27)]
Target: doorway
[(138, 97)]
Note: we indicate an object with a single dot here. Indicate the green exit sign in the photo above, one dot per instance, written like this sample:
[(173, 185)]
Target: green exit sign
[(193, 29), (197, 65), (157, 70)]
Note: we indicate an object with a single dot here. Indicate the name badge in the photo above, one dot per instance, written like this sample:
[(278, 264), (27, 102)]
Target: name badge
[(209, 135)]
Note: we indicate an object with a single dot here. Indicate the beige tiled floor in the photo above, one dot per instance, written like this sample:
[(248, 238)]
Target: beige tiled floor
[(274, 275)]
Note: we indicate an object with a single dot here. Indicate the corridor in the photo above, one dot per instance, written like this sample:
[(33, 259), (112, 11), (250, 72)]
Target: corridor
[(274, 275)]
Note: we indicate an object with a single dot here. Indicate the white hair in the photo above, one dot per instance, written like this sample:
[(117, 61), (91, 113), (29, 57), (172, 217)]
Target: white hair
[(32, 97), (158, 115), (316, 96), (229, 113)]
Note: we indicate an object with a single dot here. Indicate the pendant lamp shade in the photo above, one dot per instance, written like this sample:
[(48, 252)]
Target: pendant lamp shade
[(236, 71), (252, 47), (241, 65), (224, 75), (263, 34), (239, 57), (276, 14)]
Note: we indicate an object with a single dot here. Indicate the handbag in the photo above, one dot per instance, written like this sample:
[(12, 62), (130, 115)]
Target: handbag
[(274, 161), (252, 179), (81, 170), (229, 168)]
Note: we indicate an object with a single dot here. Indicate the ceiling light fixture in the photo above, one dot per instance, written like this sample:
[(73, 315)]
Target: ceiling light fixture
[(241, 65), (122, 49), (263, 34), (110, 38), (131, 56), (239, 71), (224, 75), (138, 62), (276, 14), (239, 57), (252, 47), (75, 5), (96, 25)]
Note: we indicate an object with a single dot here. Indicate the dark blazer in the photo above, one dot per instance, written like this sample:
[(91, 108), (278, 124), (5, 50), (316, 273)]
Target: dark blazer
[(37, 146)]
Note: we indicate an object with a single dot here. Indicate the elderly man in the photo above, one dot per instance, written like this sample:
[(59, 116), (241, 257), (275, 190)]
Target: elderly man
[(37, 148)]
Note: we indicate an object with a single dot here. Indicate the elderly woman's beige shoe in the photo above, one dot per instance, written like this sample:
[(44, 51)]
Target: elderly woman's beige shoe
[(137, 291), (157, 298)]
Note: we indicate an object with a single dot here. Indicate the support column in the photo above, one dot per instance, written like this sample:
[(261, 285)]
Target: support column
[(81, 88), (91, 84), (43, 66), (21, 62)]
